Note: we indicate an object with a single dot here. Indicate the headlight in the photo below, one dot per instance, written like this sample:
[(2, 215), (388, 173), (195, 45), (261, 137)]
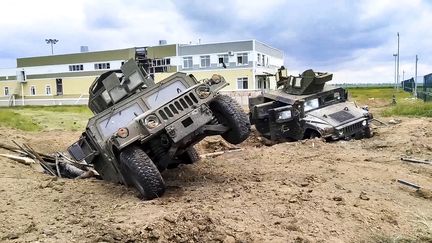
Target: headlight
[(151, 121), (122, 132), (284, 115), (364, 123), (216, 79), (203, 91)]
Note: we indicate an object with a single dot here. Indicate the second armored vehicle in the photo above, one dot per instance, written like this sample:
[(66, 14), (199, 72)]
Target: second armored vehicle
[(303, 107), (141, 128)]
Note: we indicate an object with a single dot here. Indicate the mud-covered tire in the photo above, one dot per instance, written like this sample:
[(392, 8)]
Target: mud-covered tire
[(228, 112), (140, 171), (190, 156), (368, 132)]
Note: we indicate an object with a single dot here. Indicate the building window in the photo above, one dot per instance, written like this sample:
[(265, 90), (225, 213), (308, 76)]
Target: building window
[(105, 65), (263, 83), (242, 59), (78, 67), (205, 61), (159, 65), (259, 60), (48, 90), (242, 83), (59, 86), (32, 90), (222, 59), (6, 91), (187, 62)]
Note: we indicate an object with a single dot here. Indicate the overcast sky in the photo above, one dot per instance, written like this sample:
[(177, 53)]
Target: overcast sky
[(353, 39)]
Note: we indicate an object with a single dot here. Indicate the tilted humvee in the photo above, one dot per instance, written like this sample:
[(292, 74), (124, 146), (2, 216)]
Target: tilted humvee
[(303, 107), (140, 128)]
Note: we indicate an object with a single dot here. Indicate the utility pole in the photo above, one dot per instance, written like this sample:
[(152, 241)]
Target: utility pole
[(52, 42), (397, 85), (403, 79), (415, 81)]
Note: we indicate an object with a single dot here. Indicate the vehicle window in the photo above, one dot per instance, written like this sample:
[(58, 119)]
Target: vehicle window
[(331, 97), (311, 104), (298, 82), (119, 119), (165, 94)]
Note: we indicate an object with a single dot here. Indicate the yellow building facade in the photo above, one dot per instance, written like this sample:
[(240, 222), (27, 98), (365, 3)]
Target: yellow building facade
[(65, 79)]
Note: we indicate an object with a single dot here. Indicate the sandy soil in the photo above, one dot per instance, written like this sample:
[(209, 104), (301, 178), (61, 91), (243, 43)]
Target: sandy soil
[(307, 191)]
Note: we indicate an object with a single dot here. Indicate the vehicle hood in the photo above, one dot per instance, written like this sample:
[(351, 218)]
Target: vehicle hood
[(337, 114)]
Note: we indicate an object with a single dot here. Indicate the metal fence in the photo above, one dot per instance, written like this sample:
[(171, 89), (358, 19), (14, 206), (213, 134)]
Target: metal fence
[(408, 85)]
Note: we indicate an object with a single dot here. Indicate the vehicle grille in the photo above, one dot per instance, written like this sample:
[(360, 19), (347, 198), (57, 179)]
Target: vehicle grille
[(352, 128), (180, 105), (341, 116)]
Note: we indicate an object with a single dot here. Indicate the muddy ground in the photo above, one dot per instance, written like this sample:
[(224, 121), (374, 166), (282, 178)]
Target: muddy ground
[(307, 191)]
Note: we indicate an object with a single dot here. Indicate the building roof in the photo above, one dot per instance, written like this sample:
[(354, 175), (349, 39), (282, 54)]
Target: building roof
[(83, 57)]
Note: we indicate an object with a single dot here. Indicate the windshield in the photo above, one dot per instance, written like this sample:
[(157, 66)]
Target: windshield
[(311, 104), (165, 94), (118, 119)]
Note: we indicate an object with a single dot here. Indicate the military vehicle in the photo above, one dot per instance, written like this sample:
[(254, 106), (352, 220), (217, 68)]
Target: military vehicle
[(304, 107), (140, 128)]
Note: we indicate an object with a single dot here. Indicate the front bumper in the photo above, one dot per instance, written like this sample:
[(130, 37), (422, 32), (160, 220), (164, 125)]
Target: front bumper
[(349, 129), (190, 123)]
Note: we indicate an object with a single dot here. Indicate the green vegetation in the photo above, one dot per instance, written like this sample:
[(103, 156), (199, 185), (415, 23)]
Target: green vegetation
[(9, 118), (380, 100), (414, 108), (384, 94), (46, 118)]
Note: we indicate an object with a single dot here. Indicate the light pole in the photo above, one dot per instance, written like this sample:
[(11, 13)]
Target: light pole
[(397, 85), (395, 78), (415, 81), (52, 42)]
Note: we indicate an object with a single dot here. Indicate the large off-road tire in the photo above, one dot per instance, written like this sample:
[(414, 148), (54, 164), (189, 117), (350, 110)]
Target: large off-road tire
[(368, 133), (190, 156), (140, 171), (229, 113)]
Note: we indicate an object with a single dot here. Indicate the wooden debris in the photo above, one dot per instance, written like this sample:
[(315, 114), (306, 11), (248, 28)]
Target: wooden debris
[(58, 164), (20, 159), (417, 161), (381, 122), (215, 154)]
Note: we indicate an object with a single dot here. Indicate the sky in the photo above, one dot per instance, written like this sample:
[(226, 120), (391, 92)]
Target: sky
[(353, 39)]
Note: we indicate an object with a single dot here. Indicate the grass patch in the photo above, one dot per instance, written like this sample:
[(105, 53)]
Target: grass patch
[(411, 108), (11, 119), (384, 94), (381, 98), (46, 118)]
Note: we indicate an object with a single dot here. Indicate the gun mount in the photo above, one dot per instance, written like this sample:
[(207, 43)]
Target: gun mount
[(309, 82)]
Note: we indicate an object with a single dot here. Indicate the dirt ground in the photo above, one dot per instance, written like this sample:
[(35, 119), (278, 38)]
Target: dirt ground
[(307, 191)]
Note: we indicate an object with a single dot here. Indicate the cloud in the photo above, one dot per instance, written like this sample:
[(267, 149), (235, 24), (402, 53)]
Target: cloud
[(353, 39)]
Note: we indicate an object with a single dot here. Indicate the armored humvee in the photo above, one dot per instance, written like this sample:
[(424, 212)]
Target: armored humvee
[(140, 128), (303, 107)]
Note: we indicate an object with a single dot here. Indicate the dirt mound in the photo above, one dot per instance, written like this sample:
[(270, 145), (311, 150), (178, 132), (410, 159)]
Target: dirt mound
[(288, 192)]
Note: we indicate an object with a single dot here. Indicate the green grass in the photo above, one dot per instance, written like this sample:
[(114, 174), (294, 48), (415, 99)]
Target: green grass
[(365, 95), (411, 108), (11, 119), (380, 100), (46, 118)]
